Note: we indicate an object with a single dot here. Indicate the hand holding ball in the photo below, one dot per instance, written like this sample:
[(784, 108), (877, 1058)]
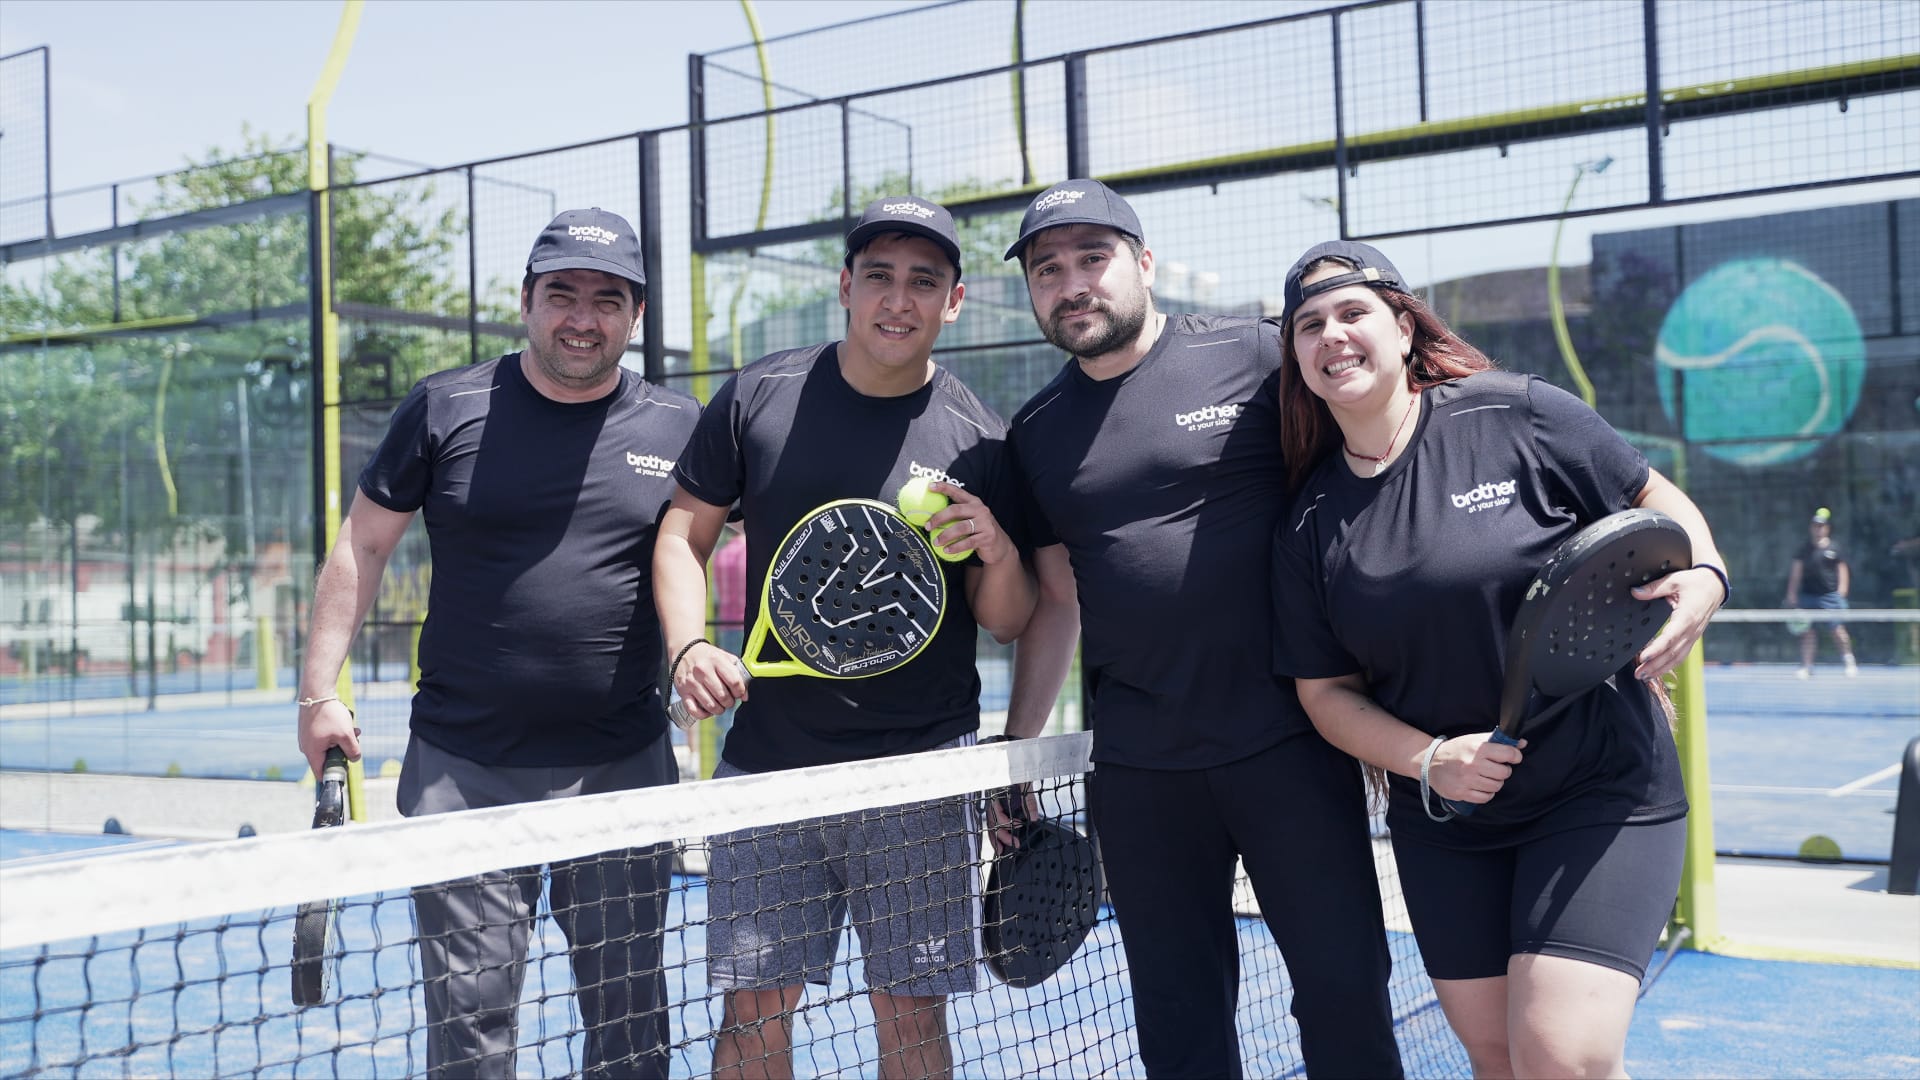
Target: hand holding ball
[(918, 503)]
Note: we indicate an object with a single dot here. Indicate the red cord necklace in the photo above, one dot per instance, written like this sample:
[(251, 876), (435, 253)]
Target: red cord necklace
[(1380, 462)]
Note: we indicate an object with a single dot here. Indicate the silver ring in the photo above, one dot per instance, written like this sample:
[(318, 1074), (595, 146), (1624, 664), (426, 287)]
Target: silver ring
[(969, 526)]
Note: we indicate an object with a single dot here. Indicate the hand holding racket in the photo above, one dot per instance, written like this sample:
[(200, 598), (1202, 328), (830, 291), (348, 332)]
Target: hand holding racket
[(316, 920), (854, 590), (1043, 896), (1580, 621)]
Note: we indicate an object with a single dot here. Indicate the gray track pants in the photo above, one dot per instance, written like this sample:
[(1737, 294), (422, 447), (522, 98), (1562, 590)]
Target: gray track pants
[(474, 932)]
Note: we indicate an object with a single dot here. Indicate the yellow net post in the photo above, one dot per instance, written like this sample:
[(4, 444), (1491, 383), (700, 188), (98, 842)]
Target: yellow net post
[(1698, 909), (319, 180)]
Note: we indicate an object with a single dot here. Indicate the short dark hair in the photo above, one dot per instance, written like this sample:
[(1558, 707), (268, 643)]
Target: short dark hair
[(532, 279)]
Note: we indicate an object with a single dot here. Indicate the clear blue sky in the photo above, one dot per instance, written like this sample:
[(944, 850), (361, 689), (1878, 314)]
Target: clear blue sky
[(143, 87)]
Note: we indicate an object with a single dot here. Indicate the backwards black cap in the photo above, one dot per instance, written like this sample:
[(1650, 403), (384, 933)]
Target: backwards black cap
[(1374, 269)]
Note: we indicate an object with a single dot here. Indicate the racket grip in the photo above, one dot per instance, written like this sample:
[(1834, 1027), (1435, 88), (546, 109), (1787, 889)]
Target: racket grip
[(330, 794), (1466, 809), (681, 710)]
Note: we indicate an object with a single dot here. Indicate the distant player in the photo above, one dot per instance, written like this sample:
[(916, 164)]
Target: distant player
[(1819, 580)]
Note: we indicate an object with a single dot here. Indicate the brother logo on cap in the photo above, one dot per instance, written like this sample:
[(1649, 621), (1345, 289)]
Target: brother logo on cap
[(1057, 198), (594, 233), (916, 209)]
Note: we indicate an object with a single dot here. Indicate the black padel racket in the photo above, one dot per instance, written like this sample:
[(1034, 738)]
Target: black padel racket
[(854, 590), (315, 922), (1042, 898), (1579, 623)]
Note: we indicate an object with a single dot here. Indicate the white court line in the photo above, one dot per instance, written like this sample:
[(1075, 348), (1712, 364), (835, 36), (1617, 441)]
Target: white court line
[(1848, 789), (1763, 789)]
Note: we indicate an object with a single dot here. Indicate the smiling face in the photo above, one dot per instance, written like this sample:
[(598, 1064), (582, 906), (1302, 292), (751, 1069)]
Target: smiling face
[(899, 292), (578, 326), (1091, 293), (1351, 347)]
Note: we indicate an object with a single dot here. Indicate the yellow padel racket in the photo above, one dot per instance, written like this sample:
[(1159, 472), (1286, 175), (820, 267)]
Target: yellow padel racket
[(854, 590)]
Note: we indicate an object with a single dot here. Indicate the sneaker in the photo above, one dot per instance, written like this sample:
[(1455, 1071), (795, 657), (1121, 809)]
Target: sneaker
[(1803, 674), (1853, 669)]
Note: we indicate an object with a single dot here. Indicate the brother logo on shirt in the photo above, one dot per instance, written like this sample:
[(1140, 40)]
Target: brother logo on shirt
[(592, 232), (914, 468), (908, 208), (1210, 416), (1487, 496), (1058, 198), (648, 465)]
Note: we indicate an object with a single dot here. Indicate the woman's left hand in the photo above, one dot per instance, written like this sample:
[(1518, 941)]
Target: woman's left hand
[(1695, 595)]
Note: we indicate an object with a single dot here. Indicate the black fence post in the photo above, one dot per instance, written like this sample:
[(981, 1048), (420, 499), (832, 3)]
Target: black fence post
[(1650, 41), (653, 322), (1903, 869), (1079, 153)]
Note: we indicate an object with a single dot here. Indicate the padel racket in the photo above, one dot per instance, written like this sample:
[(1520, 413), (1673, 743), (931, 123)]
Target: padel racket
[(1043, 896), (854, 590), (1579, 623), (315, 922)]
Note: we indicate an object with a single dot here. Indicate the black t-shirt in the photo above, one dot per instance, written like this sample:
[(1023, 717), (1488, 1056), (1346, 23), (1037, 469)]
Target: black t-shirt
[(787, 434), (1819, 569), (541, 645), (1165, 485), (1413, 577)]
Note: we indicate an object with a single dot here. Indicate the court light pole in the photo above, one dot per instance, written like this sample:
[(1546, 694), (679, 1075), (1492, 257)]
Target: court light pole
[(1557, 310)]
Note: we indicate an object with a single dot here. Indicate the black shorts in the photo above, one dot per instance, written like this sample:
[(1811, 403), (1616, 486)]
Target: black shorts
[(1601, 894)]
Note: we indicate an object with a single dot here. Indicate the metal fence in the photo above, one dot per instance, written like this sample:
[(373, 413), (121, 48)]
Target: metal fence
[(1680, 179)]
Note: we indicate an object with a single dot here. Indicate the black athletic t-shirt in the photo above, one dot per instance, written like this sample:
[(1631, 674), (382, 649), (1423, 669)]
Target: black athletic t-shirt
[(787, 434), (1819, 569), (1165, 485), (541, 646), (1413, 576)]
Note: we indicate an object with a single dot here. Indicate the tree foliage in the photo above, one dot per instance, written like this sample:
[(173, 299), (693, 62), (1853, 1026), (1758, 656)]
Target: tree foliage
[(130, 370)]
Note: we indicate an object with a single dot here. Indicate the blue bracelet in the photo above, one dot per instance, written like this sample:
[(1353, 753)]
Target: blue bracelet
[(1726, 587)]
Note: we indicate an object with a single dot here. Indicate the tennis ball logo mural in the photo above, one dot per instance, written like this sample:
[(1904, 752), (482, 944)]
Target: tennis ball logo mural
[(1770, 357)]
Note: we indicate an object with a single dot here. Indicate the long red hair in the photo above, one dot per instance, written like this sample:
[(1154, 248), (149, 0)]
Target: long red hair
[(1307, 429)]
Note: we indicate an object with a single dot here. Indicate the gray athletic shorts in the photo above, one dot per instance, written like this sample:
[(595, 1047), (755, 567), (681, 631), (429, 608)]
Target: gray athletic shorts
[(777, 898)]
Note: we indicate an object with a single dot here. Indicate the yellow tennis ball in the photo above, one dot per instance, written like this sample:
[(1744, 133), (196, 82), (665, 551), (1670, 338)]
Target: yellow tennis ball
[(949, 556), (917, 502)]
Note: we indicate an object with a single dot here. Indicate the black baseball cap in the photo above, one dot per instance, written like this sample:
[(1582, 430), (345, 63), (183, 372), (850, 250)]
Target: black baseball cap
[(1374, 270), (907, 214), (592, 239), (1076, 202)]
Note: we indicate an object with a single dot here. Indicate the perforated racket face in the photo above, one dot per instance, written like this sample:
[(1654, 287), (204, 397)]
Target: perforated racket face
[(1589, 625), (854, 590), (1042, 899)]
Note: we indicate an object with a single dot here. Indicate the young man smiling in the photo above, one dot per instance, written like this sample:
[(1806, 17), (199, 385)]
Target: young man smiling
[(850, 419), (1153, 477)]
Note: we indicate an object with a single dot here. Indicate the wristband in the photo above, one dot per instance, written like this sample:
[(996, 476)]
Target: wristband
[(673, 669), (307, 702), (1426, 784), (1726, 587)]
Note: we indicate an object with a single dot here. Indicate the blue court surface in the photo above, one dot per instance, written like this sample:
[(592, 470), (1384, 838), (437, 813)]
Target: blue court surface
[(1789, 758)]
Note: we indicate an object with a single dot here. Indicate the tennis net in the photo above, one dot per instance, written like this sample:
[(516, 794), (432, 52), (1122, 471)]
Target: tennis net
[(178, 960)]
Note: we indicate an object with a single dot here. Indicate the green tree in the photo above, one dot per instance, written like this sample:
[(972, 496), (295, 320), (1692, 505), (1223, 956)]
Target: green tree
[(131, 376)]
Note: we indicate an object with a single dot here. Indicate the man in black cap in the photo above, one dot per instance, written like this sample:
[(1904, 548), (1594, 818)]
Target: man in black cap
[(542, 475), (855, 418), (1153, 480)]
